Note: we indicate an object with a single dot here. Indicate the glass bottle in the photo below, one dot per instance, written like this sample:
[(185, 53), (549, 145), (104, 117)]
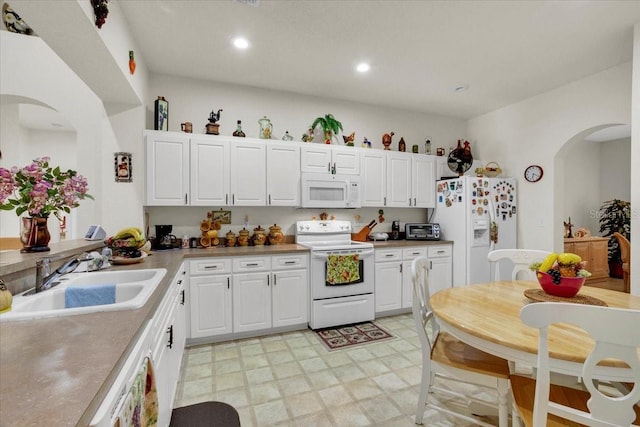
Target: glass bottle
[(427, 147), (238, 132), (287, 137)]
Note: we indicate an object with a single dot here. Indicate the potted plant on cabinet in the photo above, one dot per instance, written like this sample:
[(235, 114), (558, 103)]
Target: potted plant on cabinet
[(330, 126), (615, 215)]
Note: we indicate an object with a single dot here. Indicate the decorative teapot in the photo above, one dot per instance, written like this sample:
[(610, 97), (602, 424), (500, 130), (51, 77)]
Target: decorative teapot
[(243, 237), (214, 117), (265, 128), (259, 236), (275, 234), (230, 239)]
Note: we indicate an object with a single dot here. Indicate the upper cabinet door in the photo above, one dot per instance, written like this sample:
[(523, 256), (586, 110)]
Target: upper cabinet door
[(316, 158), (373, 181), (283, 174), (346, 160), (167, 168), (248, 173), (209, 171), (423, 181), (399, 180)]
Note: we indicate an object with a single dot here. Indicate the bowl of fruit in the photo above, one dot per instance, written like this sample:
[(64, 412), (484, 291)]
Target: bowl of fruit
[(561, 275)]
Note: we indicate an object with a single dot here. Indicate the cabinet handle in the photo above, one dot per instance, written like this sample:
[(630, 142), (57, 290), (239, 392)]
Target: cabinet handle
[(269, 198), (329, 167), (274, 280), (184, 272), (185, 199), (430, 265), (170, 332), (252, 264), (233, 199), (182, 297), (289, 262), (409, 201), (441, 251), (400, 268), (415, 202), (210, 267), (388, 255), (415, 253), (385, 200), (179, 282), (226, 199), (268, 280), (333, 171), (227, 283)]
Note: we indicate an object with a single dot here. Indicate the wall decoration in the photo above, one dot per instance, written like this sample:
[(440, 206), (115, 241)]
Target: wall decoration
[(122, 164), (13, 22), (101, 10), (161, 114), (132, 63), (224, 217)]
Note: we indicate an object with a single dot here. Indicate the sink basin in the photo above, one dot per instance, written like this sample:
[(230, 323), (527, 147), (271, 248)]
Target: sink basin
[(133, 288)]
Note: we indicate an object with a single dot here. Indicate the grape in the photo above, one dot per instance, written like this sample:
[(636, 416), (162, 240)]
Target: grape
[(555, 275)]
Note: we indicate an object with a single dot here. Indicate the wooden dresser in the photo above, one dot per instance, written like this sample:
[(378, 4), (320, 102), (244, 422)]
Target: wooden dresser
[(595, 251)]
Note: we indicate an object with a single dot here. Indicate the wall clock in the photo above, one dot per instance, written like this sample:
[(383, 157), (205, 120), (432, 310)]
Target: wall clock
[(533, 173)]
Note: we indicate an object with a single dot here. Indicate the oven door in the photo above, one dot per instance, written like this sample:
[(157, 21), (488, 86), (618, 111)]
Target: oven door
[(339, 273)]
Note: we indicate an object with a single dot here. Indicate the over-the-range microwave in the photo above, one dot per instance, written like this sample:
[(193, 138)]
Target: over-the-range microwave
[(330, 191)]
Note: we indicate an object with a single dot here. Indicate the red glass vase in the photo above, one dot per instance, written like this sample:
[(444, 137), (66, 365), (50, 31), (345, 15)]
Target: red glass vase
[(35, 234)]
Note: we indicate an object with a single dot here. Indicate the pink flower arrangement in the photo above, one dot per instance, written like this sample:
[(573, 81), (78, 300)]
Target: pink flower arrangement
[(41, 190)]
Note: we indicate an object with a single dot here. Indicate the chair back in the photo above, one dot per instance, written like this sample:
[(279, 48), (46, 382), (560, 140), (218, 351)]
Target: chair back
[(521, 259), (625, 247), (422, 313), (611, 341)]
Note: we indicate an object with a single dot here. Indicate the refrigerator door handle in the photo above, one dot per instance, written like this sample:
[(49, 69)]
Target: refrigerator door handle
[(492, 224)]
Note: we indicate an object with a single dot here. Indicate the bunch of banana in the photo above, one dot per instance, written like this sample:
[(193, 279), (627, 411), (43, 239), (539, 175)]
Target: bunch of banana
[(562, 265), (131, 237)]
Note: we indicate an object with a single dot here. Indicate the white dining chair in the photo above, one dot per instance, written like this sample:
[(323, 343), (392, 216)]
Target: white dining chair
[(541, 404), (448, 358), (521, 259)]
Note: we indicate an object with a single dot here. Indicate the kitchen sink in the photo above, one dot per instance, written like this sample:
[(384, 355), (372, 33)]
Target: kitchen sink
[(132, 290)]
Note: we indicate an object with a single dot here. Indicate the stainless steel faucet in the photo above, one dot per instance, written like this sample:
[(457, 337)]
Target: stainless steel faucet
[(47, 280)]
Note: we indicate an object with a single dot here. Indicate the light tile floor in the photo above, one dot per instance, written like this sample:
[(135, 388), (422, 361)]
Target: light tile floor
[(291, 379)]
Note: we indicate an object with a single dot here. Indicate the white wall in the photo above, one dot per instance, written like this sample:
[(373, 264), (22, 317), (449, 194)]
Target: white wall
[(615, 169), (535, 130), (635, 160), (583, 166)]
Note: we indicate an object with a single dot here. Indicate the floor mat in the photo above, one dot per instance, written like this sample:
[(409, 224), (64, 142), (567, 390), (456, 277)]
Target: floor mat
[(351, 335)]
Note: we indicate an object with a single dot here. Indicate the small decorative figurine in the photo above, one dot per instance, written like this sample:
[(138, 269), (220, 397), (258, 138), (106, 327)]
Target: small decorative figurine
[(308, 136), (414, 148), (265, 128), (161, 114), (366, 143), (212, 126), (402, 146), (380, 216), (567, 229), (132, 63), (427, 147), (348, 140), (287, 137), (238, 132), (386, 140)]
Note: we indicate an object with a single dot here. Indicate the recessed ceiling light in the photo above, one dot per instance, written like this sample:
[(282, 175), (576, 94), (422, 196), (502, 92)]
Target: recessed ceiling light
[(241, 43), (461, 88), (363, 67)]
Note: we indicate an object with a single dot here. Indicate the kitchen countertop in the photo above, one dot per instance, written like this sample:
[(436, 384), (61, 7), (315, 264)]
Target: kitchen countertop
[(57, 371)]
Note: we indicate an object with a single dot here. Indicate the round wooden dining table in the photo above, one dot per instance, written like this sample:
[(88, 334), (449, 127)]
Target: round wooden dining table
[(487, 316)]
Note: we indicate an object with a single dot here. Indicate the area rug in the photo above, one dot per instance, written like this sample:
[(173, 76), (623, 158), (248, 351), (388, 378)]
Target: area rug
[(352, 335)]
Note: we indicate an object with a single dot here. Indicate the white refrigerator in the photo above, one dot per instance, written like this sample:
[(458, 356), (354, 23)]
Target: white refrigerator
[(479, 215)]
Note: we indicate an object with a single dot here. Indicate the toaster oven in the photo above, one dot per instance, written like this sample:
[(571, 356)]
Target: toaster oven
[(422, 231)]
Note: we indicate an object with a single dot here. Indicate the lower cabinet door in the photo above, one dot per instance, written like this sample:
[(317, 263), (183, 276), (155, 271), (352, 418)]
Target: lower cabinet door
[(289, 294), (210, 303), (440, 274), (388, 286), (251, 301)]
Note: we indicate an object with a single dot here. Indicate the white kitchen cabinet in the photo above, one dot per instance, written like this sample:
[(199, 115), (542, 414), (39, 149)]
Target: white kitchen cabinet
[(283, 174), (408, 255), (440, 272), (328, 159), (251, 293), (251, 301), (248, 173), (388, 279), (167, 168), (373, 177), (399, 179), (290, 289), (423, 181), (168, 339), (210, 297), (410, 180), (210, 171)]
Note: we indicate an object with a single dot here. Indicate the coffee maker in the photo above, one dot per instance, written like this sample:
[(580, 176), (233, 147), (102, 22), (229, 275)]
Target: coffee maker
[(395, 230), (164, 239)]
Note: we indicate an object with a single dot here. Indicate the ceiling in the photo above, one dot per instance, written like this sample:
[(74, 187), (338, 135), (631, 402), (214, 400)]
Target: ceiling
[(419, 51)]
